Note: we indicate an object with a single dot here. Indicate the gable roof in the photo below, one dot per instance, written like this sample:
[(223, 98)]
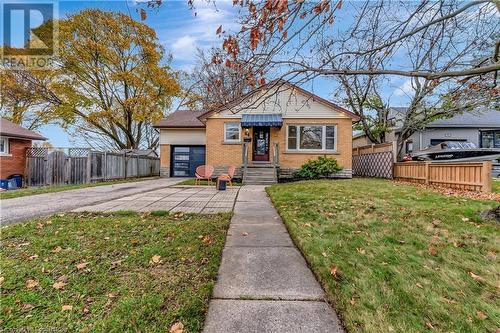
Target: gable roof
[(482, 117), (278, 83), (8, 128), (182, 119)]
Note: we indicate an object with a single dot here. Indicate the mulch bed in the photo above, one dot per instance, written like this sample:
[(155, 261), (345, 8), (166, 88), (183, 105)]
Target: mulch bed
[(457, 192)]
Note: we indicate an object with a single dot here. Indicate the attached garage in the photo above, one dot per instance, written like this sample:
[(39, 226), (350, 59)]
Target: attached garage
[(182, 143), (185, 160)]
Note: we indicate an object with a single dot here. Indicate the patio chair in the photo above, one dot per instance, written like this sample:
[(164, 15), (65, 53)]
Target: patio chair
[(204, 172), (229, 175)]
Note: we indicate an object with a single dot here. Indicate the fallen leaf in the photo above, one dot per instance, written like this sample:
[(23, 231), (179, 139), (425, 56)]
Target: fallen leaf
[(465, 219), (56, 249), (432, 250), (111, 295), (429, 324), (324, 254), (58, 285), (82, 265), (476, 277), (30, 284), (63, 278), (85, 310), (333, 271), (207, 240), (419, 285), (156, 259), (33, 257), (360, 250), (436, 222), (39, 226), (67, 308), (24, 244), (481, 315), (2, 279), (115, 264), (27, 307), (352, 301), (178, 327)]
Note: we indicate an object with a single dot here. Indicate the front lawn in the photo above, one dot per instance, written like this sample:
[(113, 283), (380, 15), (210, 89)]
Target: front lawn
[(396, 258), (495, 185), (110, 273), (50, 189)]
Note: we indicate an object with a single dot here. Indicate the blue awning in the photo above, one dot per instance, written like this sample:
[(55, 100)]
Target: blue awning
[(273, 120)]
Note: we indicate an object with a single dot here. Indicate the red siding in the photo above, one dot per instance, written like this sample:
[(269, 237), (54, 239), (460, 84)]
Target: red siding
[(15, 164)]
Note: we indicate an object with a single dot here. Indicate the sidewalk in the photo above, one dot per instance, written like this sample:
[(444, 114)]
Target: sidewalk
[(264, 284)]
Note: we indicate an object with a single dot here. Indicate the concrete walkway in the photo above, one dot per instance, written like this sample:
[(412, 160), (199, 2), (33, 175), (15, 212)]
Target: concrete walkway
[(264, 284), (33, 206)]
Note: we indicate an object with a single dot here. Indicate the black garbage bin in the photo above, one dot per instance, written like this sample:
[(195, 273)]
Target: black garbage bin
[(221, 184)]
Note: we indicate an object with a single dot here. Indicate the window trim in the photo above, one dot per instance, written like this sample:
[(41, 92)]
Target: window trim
[(226, 140), (7, 147), (323, 139)]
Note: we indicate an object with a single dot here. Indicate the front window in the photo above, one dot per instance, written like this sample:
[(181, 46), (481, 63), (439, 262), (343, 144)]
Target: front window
[(232, 132), (490, 139), (311, 137), (4, 146)]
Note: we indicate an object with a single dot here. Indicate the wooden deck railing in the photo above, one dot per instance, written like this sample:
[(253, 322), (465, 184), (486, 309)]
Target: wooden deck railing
[(474, 176)]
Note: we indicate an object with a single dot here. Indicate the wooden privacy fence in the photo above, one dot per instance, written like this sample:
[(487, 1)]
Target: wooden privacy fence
[(46, 166), (474, 176), (374, 160)]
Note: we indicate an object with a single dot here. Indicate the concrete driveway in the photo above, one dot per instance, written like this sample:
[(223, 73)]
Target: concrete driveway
[(29, 207), (187, 199)]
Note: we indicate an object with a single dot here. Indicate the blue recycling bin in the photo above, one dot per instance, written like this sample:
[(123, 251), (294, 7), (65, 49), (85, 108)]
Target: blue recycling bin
[(18, 179), (4, 183), (8, 184)]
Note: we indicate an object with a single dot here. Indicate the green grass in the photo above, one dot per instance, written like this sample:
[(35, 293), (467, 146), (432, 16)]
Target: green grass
[(204, 183), (121, 288), (397, 258), (496, 185), (50, 189)]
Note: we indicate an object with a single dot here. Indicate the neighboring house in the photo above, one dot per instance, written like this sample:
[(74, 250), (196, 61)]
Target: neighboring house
[(481, 128), (14, 140), (139, 152), (282, 127)]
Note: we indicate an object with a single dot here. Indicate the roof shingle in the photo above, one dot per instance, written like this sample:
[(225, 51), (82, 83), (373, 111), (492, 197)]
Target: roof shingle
[(8, 128), (181, 119)]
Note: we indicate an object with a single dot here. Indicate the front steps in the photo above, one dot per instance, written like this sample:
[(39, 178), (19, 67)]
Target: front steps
[(260, 175)]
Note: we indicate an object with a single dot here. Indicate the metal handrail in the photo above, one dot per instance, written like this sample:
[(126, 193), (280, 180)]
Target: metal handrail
[(276, 153), (245, 156)]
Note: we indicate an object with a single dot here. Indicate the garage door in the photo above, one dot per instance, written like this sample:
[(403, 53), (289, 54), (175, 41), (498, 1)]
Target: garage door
[(185, 160)]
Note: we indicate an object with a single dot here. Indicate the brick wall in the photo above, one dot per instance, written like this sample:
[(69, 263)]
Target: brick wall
[(16, 163), (218, 152), (165, 160), (221, 154)]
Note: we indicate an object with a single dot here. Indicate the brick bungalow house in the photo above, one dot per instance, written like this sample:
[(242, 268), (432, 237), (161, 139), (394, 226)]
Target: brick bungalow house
[(267, 134), (14, 140)]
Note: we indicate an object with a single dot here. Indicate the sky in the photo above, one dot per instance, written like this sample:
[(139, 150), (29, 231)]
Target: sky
[(181, 31)]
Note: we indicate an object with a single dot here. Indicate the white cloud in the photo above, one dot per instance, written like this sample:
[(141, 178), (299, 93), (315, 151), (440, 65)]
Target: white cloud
[(405, 89), (200, 31), (184, 47)]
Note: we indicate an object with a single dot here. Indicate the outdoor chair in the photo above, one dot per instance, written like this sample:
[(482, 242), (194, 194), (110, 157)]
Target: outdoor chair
[(204, 172), (229, 175)]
